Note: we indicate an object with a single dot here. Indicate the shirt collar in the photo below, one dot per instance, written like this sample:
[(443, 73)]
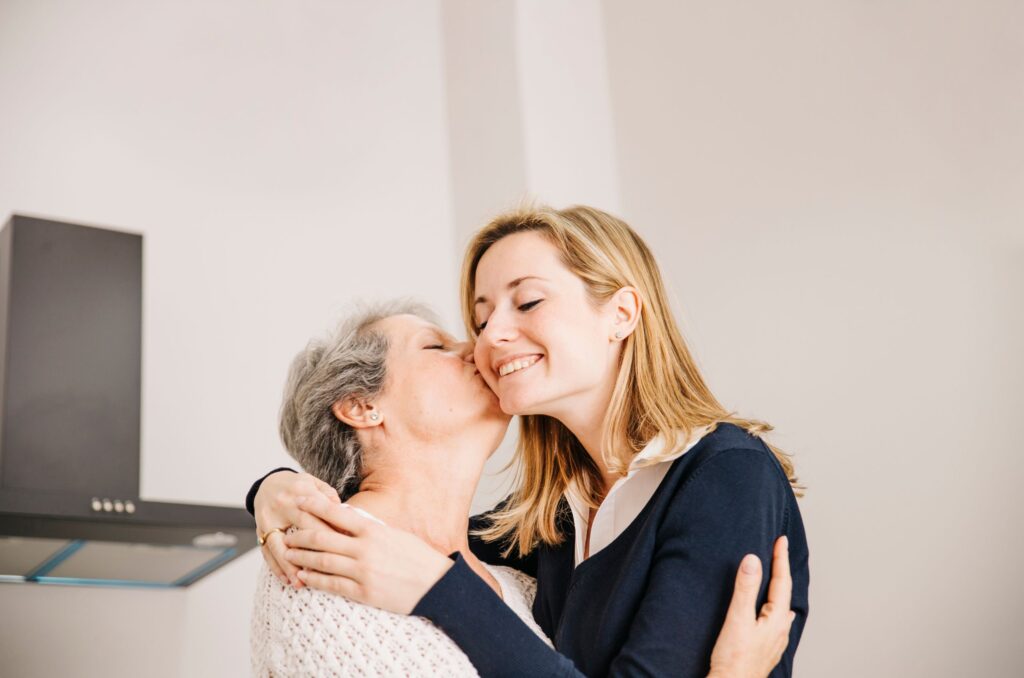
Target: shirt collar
[(654, 448)]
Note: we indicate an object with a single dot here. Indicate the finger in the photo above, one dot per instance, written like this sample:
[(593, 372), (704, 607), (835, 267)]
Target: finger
[(307, 521), (780, 587), (276, 547), (310, 484), (339, 516), (783, 641), (744, 597), (785, 624), (283, 512), (327, 563), (332, 584), (275, 569), (327, 491), (280, 518), (321, 540)]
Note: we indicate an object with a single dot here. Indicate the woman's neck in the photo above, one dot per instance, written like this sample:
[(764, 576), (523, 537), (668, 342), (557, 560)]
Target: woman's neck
[(585, 418), (430, 499)]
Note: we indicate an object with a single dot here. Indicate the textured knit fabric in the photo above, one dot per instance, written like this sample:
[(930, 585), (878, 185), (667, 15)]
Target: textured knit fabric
[(650, 603), (306, 632)]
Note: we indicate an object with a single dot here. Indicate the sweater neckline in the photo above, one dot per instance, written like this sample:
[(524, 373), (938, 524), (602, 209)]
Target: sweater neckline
[(364, 513)]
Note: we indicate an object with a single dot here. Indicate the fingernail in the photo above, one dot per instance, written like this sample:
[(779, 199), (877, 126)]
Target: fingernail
[(750, 564), (301, 574), (785, 542)]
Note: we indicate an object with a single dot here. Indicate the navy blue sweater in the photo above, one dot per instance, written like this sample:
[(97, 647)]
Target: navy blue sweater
[(652, 602)]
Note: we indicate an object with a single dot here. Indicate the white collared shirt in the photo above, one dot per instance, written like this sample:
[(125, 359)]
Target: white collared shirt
[(626, 499)]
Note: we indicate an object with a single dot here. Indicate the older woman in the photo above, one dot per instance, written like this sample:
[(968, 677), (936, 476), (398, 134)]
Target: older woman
[(361, 411), (392, 413)]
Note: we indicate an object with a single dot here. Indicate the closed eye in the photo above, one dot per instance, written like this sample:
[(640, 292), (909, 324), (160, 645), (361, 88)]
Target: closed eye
[(437, 347), (522, 307)]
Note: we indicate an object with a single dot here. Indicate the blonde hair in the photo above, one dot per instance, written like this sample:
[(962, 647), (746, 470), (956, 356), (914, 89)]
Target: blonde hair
[(658, 391)]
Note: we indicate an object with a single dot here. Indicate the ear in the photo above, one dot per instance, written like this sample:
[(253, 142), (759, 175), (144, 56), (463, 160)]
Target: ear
[(625, 306), (357, 413)]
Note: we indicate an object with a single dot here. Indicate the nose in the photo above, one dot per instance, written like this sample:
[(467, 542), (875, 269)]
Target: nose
[(500, 328)]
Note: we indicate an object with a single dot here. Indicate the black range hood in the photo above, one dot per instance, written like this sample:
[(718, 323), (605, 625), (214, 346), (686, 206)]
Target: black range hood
[(70, 383)]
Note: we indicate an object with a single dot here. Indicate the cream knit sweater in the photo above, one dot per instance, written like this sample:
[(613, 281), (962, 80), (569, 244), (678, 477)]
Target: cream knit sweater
[(311, 633)]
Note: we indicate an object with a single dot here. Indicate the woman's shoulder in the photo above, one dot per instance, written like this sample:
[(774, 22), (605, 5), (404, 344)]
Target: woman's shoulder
[(725, 460), (726, 436), (729, 445)]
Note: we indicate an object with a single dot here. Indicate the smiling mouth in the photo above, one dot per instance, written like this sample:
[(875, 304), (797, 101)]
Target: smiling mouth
[(518, 365)]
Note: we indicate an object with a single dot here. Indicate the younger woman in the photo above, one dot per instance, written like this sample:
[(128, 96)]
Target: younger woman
[(638, 492)]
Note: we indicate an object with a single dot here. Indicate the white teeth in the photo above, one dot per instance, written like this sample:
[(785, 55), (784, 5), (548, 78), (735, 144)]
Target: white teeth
[(516, 365)]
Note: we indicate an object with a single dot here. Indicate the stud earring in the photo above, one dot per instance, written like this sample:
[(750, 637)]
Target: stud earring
[(618, 335), (374, 416)]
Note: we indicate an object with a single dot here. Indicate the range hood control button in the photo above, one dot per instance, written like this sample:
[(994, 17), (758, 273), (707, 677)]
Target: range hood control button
[(108, 505), (129, 507), (97, 505), (118, 506)]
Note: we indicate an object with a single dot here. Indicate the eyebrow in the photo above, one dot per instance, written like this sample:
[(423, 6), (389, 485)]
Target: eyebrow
[(512, 285)]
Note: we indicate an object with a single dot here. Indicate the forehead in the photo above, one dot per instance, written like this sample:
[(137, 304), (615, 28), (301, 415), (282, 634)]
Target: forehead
[(404, 328), (528, 253)]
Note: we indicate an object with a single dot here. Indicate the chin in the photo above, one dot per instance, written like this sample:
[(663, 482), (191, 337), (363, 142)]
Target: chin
[(518, 406)]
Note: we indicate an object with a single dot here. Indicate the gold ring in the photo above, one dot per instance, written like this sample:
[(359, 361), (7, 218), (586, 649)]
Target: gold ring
[(263, 537)]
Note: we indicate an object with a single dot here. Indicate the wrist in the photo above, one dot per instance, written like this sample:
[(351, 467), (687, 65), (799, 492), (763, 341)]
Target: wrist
[(440, 568)]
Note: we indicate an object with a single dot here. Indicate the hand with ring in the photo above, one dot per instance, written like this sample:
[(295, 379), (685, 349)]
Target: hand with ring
[(276, 513), (263, 537)]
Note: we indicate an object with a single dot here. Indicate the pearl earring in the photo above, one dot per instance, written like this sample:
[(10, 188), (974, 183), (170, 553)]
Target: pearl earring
[(374, 416)]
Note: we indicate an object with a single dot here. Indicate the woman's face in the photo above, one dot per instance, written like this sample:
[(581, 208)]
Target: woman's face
[(433, 390), (543, 347)]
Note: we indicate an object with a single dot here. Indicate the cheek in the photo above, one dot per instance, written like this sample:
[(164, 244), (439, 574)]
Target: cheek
[(557, 332), (481, 356), (577, 352), (578, 368)]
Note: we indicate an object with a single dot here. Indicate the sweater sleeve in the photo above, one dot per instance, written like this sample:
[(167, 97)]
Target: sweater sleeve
[(251, 497), (497, 642), (734, 504)]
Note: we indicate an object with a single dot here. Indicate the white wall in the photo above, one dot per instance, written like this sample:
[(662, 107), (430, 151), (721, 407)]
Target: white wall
[(529, 117), (280, 159), (836, 192)]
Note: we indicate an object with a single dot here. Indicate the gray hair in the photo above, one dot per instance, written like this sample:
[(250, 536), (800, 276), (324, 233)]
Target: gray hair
[(351, 362)]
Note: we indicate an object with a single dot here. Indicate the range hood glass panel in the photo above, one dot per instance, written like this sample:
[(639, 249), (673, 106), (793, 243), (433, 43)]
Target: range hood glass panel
[(20, 556), (117, 562)]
